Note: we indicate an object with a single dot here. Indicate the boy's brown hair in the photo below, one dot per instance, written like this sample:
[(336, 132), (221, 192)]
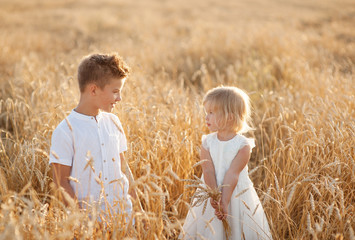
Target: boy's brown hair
[(100, 68)]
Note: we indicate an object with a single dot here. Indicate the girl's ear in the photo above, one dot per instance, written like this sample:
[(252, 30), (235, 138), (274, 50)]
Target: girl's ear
[(230, 117)]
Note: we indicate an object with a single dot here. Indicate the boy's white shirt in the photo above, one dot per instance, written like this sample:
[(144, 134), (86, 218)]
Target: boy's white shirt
[(92, 148)]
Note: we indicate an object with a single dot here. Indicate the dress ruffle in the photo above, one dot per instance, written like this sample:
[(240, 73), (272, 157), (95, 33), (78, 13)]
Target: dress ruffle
[(205, 143), (246, 141)]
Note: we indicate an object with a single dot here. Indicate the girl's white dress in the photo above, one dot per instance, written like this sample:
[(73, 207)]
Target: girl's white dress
[(247, 218)]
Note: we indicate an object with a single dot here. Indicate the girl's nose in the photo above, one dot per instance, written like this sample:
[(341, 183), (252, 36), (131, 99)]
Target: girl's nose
[(118, 98)]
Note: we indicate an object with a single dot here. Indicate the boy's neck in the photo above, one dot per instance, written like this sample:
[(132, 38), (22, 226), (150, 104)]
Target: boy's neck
[(87, 108)]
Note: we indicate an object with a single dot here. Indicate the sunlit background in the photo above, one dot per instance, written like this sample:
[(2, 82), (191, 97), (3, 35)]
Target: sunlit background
[(294, 58)]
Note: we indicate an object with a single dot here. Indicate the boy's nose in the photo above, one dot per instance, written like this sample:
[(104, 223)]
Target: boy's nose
[(118, 98)]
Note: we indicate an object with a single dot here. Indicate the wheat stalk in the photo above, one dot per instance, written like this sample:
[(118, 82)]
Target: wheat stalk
[(203, 194)]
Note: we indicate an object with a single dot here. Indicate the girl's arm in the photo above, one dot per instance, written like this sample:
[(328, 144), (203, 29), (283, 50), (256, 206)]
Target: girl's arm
[(231, 179), (208, 170), (209, 174)]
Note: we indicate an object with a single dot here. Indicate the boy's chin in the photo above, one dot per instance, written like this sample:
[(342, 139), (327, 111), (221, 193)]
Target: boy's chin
[(108, 110)]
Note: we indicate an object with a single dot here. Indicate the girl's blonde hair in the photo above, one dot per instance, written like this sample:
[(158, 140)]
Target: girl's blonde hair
[(231, 104)]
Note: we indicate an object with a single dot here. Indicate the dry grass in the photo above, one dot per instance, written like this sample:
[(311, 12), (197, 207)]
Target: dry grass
[(295, 58)]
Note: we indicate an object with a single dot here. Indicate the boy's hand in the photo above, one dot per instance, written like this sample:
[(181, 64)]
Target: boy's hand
[(146, 224), (145, 221)]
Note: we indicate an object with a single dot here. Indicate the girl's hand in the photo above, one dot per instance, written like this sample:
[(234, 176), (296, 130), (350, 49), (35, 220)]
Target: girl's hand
[(222, 212), (214, 204)]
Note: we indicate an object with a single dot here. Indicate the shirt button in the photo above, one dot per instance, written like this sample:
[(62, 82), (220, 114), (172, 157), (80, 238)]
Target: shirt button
[(105, 178), (106, 194), (102, 144), (104, 160)]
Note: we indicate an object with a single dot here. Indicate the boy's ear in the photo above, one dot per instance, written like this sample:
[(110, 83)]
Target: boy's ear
[(92, 89)]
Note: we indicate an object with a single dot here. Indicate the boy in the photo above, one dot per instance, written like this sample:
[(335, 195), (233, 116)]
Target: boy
[(87, 147)]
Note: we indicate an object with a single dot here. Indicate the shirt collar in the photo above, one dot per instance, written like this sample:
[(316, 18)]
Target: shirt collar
[(86, 117)]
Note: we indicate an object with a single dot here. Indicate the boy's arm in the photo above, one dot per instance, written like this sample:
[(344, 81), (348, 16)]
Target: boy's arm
[(61, 174), (132, 192), (128, 173)]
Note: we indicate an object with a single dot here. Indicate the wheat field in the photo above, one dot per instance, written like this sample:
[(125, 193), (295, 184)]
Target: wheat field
[(294, 58)]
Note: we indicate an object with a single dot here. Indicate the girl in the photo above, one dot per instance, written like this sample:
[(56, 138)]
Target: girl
[(227, 153)]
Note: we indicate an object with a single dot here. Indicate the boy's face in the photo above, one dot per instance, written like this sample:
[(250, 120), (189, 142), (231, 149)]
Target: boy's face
[(110, 94)]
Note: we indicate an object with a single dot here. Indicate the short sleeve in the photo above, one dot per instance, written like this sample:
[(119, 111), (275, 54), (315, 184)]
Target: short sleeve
[(247, 141), (204, 142), (123, 141), (62, 150), (122, 146)]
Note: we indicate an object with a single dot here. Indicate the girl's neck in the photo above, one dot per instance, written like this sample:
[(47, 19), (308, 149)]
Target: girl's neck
[(226, 134)]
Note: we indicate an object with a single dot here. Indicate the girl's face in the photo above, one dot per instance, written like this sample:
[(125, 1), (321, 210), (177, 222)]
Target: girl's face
[(212, 118)]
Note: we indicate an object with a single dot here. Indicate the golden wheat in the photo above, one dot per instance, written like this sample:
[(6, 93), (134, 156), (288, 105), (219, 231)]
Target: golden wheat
[(295, 59), (202, 196)]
